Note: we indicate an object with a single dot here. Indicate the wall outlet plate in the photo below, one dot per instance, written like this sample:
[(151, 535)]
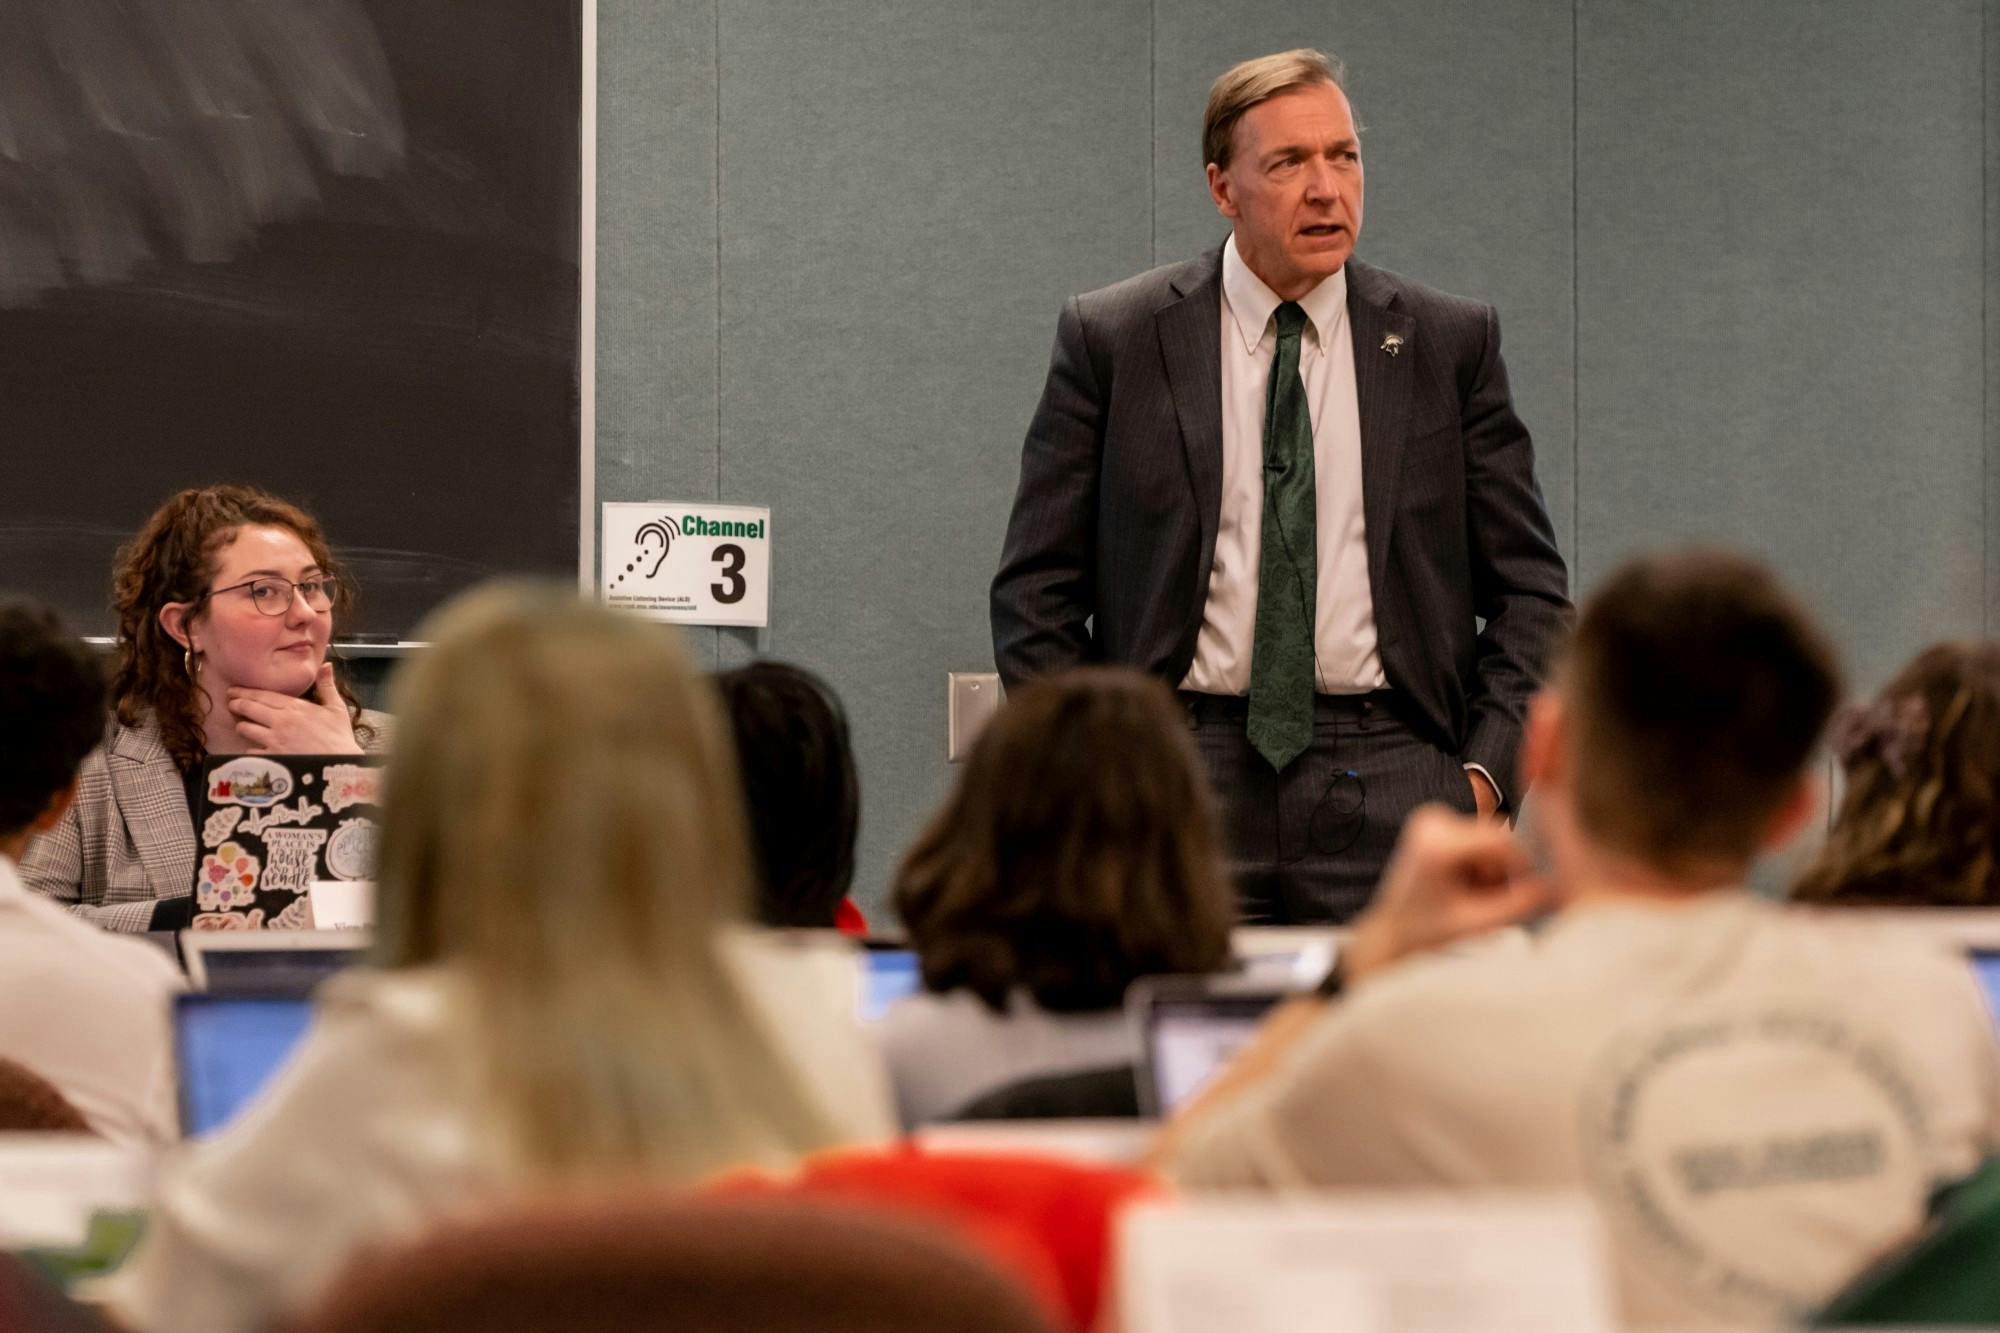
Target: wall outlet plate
[(971, 697)]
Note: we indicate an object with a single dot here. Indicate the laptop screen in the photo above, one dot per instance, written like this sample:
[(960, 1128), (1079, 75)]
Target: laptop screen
[(278, 971), (1190, 1037), (887, 975), (1986, 965), (227, 1048)]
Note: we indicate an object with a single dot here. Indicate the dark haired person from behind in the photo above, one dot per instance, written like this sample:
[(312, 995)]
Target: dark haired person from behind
[(1920, 823), (1078, 852), (84, 1010), (801, 790), (1757, 1100)]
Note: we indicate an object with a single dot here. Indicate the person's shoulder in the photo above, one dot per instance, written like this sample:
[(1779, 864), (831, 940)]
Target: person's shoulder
[(932, 1022), (85, 956), (1490, 969), (1385, 287), (1903, 953), (1144, 293)]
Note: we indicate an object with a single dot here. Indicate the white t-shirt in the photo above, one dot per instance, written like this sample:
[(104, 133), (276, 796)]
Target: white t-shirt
[(1759, 1101), (89, 1012), (371, 1133)]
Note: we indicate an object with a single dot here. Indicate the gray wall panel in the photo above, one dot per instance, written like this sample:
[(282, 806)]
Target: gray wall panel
[(1780, 324), (908, 192), (1467, 116), (1768, 328), (656, 255)]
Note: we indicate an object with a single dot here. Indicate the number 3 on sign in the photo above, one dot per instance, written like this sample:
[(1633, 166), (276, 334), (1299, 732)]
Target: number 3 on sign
[(730, 590), (687, 562)]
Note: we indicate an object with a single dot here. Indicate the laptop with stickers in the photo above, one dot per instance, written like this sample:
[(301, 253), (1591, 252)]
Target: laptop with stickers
[(273, 825)]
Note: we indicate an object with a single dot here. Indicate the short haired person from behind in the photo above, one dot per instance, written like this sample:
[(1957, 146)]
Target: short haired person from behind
[(1292, 486), (1077, 852), (226, 602), (561, 996), (1919, 824), (801, 790), (1758, 1100), (85, 1011)]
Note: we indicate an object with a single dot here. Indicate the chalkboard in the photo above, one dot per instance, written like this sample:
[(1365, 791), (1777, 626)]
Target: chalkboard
[(327, 247)]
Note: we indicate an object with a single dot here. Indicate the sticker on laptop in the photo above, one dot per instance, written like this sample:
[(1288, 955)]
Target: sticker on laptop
[(296, 917), (220, 825), (291, 855), (251, 920), (304, 812), (249, 781), (228, 879), (350, 853), (351, 784)]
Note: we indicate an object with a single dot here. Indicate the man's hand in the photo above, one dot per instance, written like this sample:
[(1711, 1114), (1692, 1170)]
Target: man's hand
[(1484, 797), (275, 723), (1450, 878)]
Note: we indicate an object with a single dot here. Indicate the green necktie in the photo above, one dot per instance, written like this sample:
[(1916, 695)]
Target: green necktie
[(1281, 661)]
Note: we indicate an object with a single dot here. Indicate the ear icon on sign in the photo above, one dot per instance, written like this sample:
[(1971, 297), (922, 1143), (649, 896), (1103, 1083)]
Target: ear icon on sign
[(663, 530)]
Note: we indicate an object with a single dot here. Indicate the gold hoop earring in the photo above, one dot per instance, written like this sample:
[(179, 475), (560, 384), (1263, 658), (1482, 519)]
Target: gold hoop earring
[(188, 664)]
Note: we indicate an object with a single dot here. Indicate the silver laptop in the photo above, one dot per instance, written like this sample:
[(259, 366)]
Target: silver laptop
[(1188, 1028)]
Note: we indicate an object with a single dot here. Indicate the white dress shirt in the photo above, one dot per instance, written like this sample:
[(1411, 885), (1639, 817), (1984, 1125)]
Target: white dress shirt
[(88, 1011), (1346, 661), (1345, 657)]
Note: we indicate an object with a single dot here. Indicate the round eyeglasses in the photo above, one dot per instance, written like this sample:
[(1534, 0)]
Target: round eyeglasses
[(273, 595)]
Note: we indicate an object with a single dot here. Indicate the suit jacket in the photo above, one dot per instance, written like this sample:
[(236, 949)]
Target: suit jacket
[(1113, 529), (128, 840)]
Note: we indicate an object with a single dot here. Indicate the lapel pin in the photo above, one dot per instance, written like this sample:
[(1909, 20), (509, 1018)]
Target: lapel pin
[(1392, 343)]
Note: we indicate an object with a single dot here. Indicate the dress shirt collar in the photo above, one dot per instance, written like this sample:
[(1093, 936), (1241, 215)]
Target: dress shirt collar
[(1251, 303), (10, 882)]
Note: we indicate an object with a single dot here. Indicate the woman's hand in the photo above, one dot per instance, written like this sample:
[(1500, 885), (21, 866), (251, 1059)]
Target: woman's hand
[(274, 723)]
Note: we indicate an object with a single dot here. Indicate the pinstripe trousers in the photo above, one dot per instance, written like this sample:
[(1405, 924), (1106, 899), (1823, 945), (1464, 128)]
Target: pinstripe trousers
[(1307, 845)]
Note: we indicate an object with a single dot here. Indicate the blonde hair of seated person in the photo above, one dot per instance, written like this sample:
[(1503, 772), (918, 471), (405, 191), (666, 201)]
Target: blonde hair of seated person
[(561, 829)]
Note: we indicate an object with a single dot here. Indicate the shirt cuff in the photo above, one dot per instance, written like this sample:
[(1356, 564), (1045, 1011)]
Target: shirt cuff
[(1480, 769)]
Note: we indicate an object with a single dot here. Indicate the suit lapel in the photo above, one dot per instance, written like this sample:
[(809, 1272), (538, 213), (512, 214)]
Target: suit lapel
[(1383, 388), (1190, 332), (153, 802)]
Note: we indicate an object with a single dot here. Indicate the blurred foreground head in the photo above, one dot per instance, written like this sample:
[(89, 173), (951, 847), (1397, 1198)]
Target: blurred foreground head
[(1078, 851), (1920, 823), (562, 828), (1680, 719), (52, 709)]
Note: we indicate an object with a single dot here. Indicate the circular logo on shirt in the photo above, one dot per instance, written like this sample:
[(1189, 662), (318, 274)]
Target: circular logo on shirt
[(1749, 1158)]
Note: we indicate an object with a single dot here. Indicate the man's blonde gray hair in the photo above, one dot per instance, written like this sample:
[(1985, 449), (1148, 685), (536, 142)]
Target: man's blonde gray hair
[(563, 837), (1244, 86)]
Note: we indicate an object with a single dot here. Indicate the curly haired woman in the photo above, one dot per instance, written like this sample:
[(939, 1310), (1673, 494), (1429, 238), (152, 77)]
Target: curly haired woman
[(1920, 824), (225, 602)]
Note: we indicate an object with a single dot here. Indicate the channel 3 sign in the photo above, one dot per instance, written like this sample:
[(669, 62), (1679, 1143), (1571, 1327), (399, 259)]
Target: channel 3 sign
[(689, 563)]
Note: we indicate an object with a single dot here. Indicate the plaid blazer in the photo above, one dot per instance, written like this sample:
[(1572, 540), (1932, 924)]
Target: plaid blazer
[(128, 840)]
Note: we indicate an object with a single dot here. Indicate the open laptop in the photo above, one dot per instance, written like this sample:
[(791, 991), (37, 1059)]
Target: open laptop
[(273, 825), (227, 1048), (887, 975), (278, 962), (1188, 1027), (1986, 965)]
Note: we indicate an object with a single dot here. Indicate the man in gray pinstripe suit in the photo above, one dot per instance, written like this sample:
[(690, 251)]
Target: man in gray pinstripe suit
[(1293, 486)]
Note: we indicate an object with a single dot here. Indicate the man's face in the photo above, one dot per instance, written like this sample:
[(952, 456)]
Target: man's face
[(1293, 187)]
